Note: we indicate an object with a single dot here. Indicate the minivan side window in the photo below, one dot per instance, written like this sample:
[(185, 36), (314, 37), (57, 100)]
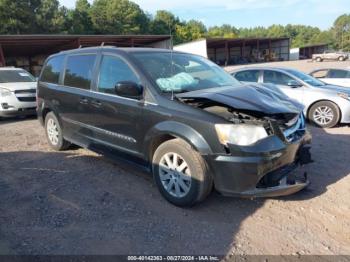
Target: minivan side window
[(79, 71), (248, 76), (277, 78), (113, 70), (51, 72)]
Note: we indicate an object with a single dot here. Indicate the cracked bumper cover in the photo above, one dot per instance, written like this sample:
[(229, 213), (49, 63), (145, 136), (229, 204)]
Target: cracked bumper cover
[(268, 169)]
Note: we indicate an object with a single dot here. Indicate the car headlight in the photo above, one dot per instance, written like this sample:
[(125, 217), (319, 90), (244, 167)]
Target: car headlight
[(242, 135), (5, 92), (344, 95)]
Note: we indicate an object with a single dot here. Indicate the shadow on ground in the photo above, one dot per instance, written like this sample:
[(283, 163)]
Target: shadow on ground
[(73, 203)]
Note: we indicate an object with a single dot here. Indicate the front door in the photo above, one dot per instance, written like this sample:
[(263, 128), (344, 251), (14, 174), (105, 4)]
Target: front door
[(282, 81), (117, 121)]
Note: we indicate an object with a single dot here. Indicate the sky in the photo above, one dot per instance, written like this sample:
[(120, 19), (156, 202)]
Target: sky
[(249, 13)]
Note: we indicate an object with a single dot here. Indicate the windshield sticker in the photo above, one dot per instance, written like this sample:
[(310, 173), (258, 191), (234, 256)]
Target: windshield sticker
[(23, 74)]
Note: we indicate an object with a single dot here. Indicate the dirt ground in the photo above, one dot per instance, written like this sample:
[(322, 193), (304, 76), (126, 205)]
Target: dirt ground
[(79, 202)]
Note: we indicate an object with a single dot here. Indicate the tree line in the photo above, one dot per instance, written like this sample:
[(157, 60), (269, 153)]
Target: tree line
[(126, 17)]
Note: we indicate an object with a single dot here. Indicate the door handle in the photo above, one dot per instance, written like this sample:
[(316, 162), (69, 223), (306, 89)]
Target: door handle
[(84, 101), (96, 103)]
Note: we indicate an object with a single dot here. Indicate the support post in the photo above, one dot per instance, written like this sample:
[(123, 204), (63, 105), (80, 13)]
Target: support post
[(227, 53), (2, 57)]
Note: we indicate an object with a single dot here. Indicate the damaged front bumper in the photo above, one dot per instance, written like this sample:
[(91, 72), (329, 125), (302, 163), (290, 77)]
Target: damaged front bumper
[(268, 169)]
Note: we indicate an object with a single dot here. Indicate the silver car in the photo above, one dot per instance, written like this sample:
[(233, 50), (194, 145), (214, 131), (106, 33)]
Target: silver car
[(325, 105), (17, 92), (333, 76)]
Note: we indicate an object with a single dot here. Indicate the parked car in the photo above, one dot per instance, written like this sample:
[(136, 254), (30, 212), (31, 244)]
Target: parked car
[(325, 105), (330, 55), (333, 76), (179, 115), (17, 92)]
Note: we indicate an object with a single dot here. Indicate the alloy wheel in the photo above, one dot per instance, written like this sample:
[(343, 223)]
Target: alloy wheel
[(175, 175), (323, 115), (52, 131)]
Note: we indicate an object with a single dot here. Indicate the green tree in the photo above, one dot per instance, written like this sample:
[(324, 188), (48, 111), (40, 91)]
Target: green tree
[(17, 16), (118, 17), (50, 17), (189, 31), (225, 31), (341, 32), (79, 18), (163, 23)]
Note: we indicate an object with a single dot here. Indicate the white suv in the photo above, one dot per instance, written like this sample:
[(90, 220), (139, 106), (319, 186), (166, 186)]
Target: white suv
[(17, 92)]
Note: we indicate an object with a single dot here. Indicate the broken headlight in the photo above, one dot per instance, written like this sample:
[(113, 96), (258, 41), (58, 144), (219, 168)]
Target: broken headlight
[(242, 135)]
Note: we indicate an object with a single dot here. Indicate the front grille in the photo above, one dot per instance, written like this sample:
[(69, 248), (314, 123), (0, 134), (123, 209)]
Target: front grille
[(27, 95), (28, 91), (27, 99)]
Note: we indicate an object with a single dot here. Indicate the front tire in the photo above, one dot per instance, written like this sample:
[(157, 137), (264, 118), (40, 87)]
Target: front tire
[(324, 114), (341, 58), (54, 133), (318, 59), (181, 174)]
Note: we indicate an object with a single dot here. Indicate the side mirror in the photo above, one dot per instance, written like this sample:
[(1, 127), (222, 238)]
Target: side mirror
[(294, 84), (129, 90)]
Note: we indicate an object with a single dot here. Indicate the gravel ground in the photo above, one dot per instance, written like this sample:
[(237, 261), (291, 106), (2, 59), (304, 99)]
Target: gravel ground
[(78, 202)]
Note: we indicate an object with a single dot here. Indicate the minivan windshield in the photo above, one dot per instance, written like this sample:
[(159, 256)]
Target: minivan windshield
[(15, 76), (177, 72), (306, 78)]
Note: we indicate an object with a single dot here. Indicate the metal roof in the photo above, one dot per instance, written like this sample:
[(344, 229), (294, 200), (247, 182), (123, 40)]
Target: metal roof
[(27, 45)]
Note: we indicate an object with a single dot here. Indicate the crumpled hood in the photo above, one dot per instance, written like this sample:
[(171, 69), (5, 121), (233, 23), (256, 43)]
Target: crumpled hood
[(252, 97)]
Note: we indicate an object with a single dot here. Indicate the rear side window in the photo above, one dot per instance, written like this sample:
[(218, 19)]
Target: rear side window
[(114, 70), (52, 70), (320, 74), (248, 76), (338, 74), (79, 71)]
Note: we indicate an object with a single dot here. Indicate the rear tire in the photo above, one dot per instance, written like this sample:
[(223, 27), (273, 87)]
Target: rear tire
[(181, 174), (324, 114), (341, 58), (53, 132), (318, 59)]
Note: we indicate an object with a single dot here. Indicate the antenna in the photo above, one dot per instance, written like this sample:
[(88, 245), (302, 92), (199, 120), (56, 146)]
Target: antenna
[(171, 57)]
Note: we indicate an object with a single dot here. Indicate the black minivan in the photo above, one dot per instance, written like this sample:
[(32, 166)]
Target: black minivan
[(183, 117)]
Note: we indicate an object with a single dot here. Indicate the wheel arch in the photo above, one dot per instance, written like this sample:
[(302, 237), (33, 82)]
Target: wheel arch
[(169, 130)]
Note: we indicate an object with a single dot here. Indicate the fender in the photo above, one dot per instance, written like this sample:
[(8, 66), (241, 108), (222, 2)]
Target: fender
[(179, 130)]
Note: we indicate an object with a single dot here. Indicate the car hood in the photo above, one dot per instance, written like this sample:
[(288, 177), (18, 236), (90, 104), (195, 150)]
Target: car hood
[(251, 97), (335, 88), (19, 86)]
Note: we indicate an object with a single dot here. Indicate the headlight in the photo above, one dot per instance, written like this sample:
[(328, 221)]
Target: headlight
[(5, 92), (242, 135), (344, 95)]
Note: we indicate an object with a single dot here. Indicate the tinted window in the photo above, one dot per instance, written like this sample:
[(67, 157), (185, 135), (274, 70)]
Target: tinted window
[(51, 73), (248, 76), (320, 74), (276, 78), (79, 71), (338, 73), (114, 70), (15, 76)]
